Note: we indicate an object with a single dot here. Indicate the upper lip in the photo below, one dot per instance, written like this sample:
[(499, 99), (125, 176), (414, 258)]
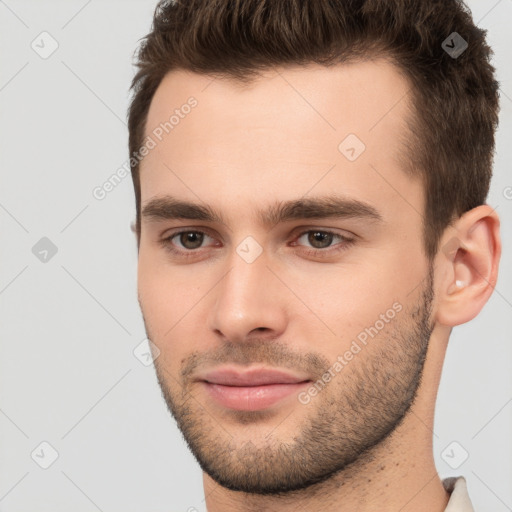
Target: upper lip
[(251, 377)]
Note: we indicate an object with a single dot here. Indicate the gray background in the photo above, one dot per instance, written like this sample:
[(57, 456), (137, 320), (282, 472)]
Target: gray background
[(70, 324)]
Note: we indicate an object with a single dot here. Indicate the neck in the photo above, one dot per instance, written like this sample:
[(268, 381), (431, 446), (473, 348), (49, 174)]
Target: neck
[(398, 474)]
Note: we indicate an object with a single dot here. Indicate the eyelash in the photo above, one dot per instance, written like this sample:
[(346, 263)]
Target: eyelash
[(190, 253)]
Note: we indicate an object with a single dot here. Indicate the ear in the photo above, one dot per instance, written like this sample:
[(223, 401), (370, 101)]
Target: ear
[(467, 265), (133, 227)]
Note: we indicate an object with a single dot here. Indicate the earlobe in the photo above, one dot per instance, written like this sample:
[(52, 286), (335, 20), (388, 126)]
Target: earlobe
[(468, 266)]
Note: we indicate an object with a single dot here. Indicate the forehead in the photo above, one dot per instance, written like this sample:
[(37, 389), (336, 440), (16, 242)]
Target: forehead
[(293, 129), (356, 96)]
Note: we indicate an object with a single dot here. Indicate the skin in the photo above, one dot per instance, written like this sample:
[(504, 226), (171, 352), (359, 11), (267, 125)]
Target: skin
[(241, 150)]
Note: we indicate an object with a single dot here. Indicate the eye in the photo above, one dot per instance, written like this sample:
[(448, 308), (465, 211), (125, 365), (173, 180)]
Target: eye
[(190, 239), (321, 241), (186, 242)]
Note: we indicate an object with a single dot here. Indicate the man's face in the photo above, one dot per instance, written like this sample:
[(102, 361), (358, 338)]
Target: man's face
[(289, 344)]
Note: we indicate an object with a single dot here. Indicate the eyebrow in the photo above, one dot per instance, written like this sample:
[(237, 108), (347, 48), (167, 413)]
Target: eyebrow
[(332, 206)]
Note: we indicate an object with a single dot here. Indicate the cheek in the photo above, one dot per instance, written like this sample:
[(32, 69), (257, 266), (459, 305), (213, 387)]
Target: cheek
[(164, 297), (351, 298), (167, 316)]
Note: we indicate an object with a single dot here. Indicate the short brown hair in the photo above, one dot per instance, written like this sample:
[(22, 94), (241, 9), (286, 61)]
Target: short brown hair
[(455, 97)]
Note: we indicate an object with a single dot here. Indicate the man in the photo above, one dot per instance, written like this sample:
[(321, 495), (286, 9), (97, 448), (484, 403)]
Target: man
[(310, 182)]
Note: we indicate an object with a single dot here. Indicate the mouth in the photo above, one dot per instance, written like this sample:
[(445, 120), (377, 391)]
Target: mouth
[(251, 389)]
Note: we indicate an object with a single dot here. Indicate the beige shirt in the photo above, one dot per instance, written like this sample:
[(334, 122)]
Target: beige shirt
[(459, 499)]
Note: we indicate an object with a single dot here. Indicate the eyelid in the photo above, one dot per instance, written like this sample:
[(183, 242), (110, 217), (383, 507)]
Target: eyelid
[(333, 231), (169, 233)]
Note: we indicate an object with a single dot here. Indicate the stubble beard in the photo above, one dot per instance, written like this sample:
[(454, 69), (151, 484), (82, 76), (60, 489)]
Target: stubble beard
[(346, 422)]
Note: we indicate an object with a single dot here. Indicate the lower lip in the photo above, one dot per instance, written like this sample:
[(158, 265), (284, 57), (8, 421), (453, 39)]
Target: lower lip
[(252, 398)]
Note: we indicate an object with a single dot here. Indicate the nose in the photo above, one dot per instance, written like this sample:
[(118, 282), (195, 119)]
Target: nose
[(249, 301)]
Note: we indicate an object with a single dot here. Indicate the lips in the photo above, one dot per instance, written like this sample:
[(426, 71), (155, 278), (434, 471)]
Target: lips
[(251, 389), (253, 377)]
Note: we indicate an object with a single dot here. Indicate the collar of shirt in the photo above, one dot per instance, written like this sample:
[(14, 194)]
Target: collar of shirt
[(459, 497)]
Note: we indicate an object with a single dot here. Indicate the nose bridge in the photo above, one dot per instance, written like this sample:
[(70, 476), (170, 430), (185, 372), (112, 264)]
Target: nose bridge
[(247, 298)]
